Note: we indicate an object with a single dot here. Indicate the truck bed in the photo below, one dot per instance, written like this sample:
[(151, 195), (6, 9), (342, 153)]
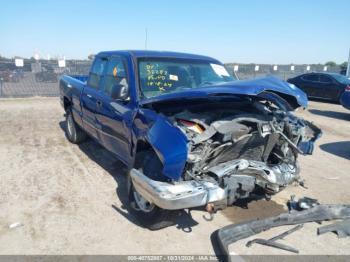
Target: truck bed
[(72, 86), (68, 82)]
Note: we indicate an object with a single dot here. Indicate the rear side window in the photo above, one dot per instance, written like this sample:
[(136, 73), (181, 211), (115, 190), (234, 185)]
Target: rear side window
[(96, 72), (325, 79), (115, 74), (313, 78)]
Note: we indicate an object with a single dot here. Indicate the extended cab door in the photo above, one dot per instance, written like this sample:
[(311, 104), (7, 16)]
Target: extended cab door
[(114, 117), (90, 94)]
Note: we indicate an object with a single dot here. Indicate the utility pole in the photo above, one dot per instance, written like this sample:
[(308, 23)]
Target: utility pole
[(348, 69)]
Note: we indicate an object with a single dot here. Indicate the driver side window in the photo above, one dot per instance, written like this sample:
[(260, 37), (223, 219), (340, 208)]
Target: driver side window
[(96, 72), (115, 75)]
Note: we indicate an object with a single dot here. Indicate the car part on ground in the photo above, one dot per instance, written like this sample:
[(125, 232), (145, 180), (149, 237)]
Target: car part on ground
[(342, 228), (272, 242), (302, 203), (232, 233)]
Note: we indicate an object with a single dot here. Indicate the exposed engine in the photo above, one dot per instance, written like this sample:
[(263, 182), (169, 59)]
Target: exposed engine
[(246, 146)]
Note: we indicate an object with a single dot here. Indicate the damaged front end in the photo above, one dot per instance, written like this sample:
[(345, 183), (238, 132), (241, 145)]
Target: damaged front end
[(244, 152), (236, 146)]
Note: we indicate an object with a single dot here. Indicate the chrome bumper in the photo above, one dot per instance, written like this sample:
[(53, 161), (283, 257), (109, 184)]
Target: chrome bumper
[(184, 194)]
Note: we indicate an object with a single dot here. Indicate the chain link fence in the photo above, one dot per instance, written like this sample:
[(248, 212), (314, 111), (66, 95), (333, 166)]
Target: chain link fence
[(40, 77), (284, 72), (37, 78)]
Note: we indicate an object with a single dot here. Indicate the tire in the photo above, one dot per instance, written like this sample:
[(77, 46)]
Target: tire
[(73, 132), (338, 101), (150, 216)]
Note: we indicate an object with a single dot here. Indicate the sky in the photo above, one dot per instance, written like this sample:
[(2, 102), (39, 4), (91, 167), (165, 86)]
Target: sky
[(245, 31)]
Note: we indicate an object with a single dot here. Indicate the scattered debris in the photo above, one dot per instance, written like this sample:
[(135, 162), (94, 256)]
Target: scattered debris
[(301, 182), (272, 242), (342, 228), (307, 203), (232, 233), (302, 203), (15, 225)]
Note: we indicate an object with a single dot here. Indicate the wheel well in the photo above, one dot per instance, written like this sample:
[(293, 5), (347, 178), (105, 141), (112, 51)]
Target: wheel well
[(146, 155), (141, 147), (66, 103)]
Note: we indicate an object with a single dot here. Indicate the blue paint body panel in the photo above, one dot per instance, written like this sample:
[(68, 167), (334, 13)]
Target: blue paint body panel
[(119, 127), (345, 99), (170, 145)]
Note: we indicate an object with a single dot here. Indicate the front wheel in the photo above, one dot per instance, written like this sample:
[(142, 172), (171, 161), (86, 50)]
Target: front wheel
[(147, 213)]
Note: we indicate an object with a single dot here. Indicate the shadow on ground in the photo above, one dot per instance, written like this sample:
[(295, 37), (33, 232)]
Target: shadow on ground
[(324, 101), (331, 114), (248, 208), (183, 220), (341, 149)]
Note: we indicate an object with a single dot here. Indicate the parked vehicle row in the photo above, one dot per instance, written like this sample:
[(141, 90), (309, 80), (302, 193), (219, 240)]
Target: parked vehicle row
[(47, 74), (11, 75)]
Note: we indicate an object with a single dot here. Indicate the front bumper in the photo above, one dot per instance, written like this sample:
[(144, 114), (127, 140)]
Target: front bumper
[(192, 193), (180, 195)]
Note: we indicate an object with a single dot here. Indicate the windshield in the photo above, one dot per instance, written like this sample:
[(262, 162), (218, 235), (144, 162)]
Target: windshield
[(342, 79), (162, 76)]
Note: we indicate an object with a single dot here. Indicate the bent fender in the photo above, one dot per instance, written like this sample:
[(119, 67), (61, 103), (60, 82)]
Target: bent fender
[(170, 145)]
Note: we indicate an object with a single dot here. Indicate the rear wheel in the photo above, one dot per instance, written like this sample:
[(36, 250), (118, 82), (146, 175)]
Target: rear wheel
[(338, 100), (73, 132), (147, 213)]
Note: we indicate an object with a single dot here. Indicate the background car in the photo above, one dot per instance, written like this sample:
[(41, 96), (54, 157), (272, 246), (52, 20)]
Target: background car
[(329, 86), (10, 76), (47, 74)]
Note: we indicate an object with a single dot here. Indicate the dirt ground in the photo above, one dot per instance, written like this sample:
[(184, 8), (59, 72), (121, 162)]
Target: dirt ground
[(70, 199)]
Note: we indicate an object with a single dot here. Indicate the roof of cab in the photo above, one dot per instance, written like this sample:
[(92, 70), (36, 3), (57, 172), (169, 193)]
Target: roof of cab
[(156, 54)]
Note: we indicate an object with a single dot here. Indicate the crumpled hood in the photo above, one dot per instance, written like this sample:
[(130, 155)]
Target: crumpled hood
[(262, 87)]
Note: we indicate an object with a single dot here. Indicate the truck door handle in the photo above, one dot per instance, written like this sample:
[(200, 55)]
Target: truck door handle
[(89, 96), (99, 103)]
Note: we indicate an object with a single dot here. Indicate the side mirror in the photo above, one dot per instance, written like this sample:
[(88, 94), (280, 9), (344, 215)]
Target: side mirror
[(120, 92)]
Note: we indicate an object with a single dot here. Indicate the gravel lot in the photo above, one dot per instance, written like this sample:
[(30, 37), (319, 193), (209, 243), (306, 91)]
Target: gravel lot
[(70, 199)]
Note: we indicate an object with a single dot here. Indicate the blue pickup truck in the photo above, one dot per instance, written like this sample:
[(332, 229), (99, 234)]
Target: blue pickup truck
[(190, 133)]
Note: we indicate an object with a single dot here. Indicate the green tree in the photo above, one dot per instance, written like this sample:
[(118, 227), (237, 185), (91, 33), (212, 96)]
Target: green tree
[(331, 64), (344, 65)]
